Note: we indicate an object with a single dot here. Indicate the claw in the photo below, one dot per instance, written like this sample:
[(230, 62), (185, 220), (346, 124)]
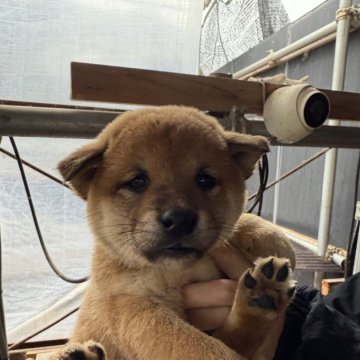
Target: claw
[(268, 269)]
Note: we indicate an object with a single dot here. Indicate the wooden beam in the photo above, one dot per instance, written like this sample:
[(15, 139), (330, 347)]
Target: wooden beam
[(146, 87), (343, 105), (135, 86)]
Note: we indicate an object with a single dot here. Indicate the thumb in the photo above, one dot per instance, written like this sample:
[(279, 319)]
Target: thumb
[(231, 261)]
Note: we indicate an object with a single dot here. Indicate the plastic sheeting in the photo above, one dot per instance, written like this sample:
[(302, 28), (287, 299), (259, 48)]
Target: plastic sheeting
[(38, 40)]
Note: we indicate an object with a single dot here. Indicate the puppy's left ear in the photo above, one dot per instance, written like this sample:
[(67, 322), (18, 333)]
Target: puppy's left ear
[(79, 168), (246, 150)]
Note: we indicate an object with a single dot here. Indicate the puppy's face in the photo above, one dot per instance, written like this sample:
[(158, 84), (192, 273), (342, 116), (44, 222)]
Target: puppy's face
[(163, 184)]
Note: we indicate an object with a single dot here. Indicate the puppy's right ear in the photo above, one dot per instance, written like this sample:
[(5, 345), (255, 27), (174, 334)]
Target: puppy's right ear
[(246, 150), (80, 167)]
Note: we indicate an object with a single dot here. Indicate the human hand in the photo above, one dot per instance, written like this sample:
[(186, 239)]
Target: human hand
[(208, 303)]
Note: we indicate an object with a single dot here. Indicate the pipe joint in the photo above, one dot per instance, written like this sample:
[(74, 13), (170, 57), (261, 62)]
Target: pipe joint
[(342, 14), (271, 61), (352, 12), (355, 16)]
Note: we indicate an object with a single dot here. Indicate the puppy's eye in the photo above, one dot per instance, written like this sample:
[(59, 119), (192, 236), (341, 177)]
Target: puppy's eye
[(138, 184), (205, 181)]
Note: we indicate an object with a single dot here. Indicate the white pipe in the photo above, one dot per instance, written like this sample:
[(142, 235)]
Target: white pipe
[(356, 267), (339, 260), (341, 45), (3, 339), (277, 186), (306, 40)]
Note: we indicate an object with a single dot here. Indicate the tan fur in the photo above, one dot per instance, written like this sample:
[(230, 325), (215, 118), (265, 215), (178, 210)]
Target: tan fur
[(133, 305), (260, 238)]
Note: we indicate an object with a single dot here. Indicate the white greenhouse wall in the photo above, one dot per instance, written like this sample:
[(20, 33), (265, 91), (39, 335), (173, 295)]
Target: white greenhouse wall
[(38, 40)]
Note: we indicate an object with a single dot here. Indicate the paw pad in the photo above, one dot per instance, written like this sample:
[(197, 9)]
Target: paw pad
[(249, 281), (283, 273), (269, 286), (264, 302), (268, 269)]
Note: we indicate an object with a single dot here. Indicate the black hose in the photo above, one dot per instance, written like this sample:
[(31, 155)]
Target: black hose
[(263, 175), (36, 223)]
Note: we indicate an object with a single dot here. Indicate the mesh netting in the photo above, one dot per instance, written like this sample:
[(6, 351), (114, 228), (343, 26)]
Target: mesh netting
[(232, 27)]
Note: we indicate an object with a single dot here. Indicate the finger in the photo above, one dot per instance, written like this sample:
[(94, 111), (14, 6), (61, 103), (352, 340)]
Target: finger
[(208, 319), (215, 293), (231, 261)]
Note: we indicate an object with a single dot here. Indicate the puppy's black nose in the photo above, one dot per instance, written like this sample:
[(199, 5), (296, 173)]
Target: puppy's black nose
[(179, 221)]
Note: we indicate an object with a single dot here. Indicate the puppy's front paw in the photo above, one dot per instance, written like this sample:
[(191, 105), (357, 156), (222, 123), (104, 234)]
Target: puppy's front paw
[(268, 288), (262, 294), (75, 351)]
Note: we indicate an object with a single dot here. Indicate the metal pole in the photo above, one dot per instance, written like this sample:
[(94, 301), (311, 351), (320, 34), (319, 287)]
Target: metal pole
[(62, 123), (277, 186), (52, 122), (341, 46), (3, 342), (356, 267)]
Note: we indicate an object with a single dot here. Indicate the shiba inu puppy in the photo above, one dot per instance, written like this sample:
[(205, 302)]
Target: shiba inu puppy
[(163, 186)]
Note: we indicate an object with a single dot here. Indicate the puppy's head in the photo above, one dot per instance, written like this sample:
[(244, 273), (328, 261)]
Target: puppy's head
[(163, 184)]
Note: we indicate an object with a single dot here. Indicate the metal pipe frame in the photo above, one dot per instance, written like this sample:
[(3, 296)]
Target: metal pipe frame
[(3, 342), (293, 55), (52, 122), (66, 123), (356, 267), (341, 47)]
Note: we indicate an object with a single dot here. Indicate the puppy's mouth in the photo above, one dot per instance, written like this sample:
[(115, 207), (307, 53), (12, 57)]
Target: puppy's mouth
[(175, 251), (180, 250)]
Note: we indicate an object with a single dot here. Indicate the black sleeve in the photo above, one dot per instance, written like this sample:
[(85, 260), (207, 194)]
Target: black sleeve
[(319, 327)]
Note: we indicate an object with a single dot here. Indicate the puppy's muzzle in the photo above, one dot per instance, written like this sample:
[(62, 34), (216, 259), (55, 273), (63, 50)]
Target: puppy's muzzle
[(178, 240), (179, 222)]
